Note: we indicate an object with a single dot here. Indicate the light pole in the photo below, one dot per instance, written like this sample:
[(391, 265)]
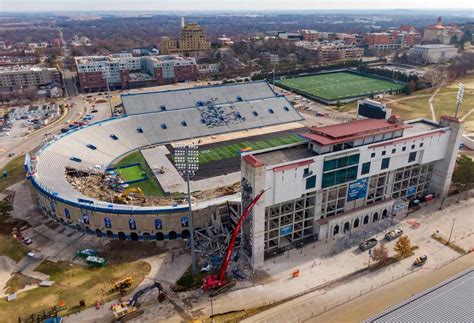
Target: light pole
[(452, 227), (459, 98), (108, 93), (274, 60), (187, 163)]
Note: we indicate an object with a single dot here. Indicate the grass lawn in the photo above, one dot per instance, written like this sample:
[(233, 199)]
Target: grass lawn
[(339, 85), (149, 186), (72, 284), (229, 151), (15, 172), (132, 173), (12, 248)]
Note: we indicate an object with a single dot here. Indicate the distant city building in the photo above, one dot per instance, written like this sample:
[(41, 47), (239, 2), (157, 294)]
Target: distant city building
[(337, 52), (389, 41), (34, 111), (441, 34), (17, 60), (206, 68), (192, 40), (22, 76), (432, 54), (309, 35), (125, 71), (145, 51), (56, 43), (224, 41), (289, 36), (81, 41)]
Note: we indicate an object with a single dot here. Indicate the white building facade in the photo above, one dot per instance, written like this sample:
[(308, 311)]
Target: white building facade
[(433, 54), (345, 178)]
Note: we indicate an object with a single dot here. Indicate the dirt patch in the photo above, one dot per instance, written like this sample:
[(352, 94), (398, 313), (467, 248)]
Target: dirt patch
[(123, 251)]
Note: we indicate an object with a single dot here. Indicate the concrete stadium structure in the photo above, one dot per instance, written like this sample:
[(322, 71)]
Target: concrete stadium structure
[(152, 119), (345, 178)]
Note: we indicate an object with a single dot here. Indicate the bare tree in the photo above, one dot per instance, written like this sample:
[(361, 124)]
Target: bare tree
[(380, 254)]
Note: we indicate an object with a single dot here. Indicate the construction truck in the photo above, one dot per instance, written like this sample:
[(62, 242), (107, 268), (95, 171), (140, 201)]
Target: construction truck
[(124, 198), (122, 285), (218, 283), (420, 261), (125, 311)]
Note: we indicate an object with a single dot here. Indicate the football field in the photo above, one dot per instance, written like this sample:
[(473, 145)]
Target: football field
[(339, 85), (234, 150)]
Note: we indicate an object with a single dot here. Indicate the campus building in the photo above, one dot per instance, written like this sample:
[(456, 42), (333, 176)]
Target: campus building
[(192, 40), (338, 52), (124, 71), (432, 54), (344, 178), (390, 41), (24, 76), (440, 34)]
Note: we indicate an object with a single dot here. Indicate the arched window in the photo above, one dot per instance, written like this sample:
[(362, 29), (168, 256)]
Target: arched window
[(158, 224), (336, 230), (185, 234), (85, 218), (67, 214), (356, 223), (160, 236), (146, 236), (376, 217), (366, 219), (384, 214), (172, 235), (110, 234), (98, 233), (347, 227), (122, 236), (134, 236)]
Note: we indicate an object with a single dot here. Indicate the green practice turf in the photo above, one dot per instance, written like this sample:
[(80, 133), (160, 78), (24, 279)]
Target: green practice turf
[(334, 86), (149, 186), (132, 173), (229, 151)]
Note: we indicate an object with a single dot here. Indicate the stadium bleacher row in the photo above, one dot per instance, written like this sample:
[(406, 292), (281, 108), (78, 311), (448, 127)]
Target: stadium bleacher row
[(113, 138)]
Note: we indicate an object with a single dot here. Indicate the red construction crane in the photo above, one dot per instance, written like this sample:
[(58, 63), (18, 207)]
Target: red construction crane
[(219, 281)]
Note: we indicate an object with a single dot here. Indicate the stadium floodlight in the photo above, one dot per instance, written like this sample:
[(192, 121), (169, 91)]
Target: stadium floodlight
[(186, 159), (459, 98), (274, 59)]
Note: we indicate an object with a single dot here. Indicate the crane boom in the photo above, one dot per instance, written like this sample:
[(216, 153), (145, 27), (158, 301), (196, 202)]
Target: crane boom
[(230, 248)]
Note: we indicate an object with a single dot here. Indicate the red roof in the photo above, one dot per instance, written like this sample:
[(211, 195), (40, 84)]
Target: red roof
[(344, 132), (435, 27), (253, 161)]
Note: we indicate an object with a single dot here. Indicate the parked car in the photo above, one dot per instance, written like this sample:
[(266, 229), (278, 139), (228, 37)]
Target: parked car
[(368, 244), (392, 235), (27, 241), (11, 154), (94, 111)]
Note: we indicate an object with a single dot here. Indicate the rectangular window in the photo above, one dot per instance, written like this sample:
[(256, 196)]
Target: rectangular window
[(342, 162), (394, 151), (384, 153), (412, 157), (372, 155), (385, 163), (365, 168), (330, 164), (354, 159), (412, 146), (328, 179), (421, 144), (311, 182), (404, 148)]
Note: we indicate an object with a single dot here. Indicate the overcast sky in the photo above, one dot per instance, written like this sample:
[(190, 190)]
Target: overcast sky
[(166, 5)]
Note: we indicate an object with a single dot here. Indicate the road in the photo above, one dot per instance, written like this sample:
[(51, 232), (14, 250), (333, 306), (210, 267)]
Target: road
[(21, 145)]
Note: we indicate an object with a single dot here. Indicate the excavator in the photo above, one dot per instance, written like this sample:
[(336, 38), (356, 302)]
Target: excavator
[(217, 284), (128, 310), (124, 197)]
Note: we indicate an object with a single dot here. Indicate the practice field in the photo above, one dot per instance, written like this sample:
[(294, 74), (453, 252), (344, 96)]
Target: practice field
[(149, 185), (338, 85), (234, 150), (132, 173)]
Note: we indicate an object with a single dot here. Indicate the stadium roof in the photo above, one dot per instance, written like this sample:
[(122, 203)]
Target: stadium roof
[(357, 129), (195, 97), (449, 301)]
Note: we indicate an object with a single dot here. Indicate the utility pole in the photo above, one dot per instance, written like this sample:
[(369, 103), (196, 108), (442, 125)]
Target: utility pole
[(187, 163), (452, 227)]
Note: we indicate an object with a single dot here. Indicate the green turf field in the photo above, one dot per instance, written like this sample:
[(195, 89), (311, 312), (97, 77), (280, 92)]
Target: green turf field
[(149, 186), (229, 151), (339, 85), (132, 173)]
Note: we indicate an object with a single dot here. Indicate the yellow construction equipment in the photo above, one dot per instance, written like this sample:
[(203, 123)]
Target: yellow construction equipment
[(122, 285), (124, 197)]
